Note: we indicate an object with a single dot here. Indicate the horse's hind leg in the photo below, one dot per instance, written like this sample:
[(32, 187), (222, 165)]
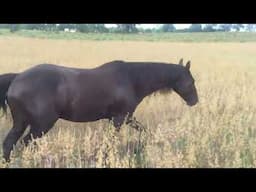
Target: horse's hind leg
[(40, 126), (36, 131), (19, 126)]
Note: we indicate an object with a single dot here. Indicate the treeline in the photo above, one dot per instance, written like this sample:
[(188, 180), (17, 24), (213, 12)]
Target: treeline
[(128, 28), (208, 28)]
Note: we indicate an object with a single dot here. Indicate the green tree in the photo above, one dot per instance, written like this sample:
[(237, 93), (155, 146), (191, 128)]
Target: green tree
[(62, 27), (14, 28), (83, 28), (209, 28), (89, 28), (127, 28), (195, 28), (225, 27), (99, 28), (167, 28), (5, 26), (250, 27)]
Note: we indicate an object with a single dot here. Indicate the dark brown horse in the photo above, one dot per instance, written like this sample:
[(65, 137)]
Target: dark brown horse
[(41, 95)]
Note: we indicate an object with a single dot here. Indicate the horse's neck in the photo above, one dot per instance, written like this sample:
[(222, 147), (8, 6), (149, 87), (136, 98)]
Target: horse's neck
[(154, 78)]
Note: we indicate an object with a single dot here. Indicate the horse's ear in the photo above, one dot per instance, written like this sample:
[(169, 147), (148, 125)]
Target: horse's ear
[(188, 65), (181, 61)]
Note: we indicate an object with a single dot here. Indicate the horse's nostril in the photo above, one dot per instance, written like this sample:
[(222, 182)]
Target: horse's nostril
[(192, 103)]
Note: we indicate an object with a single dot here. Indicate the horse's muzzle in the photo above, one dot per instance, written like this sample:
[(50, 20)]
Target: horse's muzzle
[(192, 103)]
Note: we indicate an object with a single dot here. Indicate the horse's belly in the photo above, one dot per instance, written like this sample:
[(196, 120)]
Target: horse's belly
[(82, 118), (86, 114), (98, 106)]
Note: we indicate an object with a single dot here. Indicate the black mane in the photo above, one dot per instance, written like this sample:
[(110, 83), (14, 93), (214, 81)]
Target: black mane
[(148, 77)]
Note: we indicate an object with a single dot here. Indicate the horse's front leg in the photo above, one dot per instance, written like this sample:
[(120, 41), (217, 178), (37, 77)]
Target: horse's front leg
[(118, 121), (135, 124)]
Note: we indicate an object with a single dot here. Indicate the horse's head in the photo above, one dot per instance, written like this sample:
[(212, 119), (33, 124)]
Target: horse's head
[(185, 85)]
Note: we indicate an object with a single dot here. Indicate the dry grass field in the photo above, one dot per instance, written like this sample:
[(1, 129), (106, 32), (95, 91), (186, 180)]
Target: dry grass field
[(220, 131)]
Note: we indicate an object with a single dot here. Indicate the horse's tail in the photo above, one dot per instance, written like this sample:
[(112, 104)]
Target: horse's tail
[(5, 81)]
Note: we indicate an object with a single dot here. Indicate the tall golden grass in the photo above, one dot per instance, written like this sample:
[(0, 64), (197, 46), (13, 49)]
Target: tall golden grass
[(219, 131)]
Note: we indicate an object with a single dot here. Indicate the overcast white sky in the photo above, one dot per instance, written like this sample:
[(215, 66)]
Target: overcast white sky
[(177, 26)]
